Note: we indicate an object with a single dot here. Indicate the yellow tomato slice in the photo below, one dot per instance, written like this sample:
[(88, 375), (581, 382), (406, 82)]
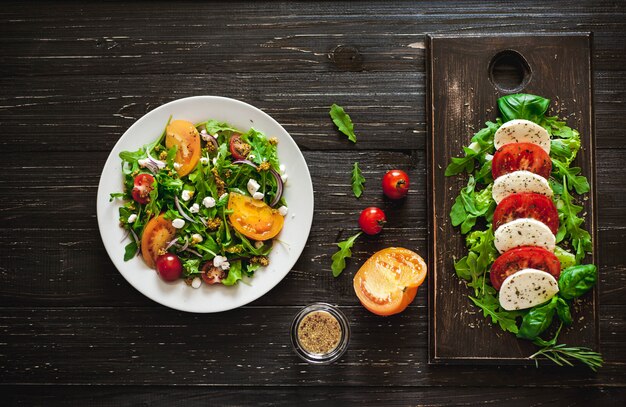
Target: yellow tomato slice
[(184, 135), (253, 218), (387, 282)]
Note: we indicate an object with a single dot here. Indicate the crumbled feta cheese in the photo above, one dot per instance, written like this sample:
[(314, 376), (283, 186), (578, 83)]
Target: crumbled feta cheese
[(208, 202), (258, 195), (283, 210), (284, 177), (258, 244), (178, 223), (282, 168), (132, 218), (221, 262), (177, 166), (195, 208), (204, 160), (251, 156), (253, 186), (143, 162), (196, 282), (223, 196), (186, 195), (205, 136), (215, 136), (196, 238)]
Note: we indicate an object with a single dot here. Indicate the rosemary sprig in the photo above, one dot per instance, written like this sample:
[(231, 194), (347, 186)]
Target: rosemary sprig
[(562, 355)]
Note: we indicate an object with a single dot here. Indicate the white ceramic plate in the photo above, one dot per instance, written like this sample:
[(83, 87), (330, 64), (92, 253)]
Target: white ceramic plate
[(293, 237)]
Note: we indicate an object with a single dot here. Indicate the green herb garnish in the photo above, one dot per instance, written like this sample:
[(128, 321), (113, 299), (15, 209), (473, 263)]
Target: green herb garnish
[(343, 121), (339, 258), (357, 181)]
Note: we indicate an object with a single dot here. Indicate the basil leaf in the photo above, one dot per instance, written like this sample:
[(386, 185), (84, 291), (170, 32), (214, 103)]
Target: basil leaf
[(357, 181), (562, 310), (537, 320), (342, 121), (339, 258), (523, 106), (576, 281)]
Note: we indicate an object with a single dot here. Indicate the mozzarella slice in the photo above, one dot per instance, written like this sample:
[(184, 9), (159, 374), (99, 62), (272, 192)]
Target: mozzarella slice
[(520, 181), (524, 232), (527, 288), (522, 131)]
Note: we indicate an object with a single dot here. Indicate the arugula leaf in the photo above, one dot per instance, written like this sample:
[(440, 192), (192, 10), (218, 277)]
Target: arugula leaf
[(523, 106), (191, 267), (130, 250), (357, 181), (234, 273), (213, 126), (342, 121), (474, 266), (339, 258), (470, 205), (482, 143), (491, 308), (578, 182), (570, 224)]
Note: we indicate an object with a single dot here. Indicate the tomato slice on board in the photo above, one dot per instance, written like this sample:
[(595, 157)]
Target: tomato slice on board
[(157, 233), (184, 135), (387, 282), (254, 218), (143, 185), (239, 148), (527, 205), (521, 258), (521, 156)]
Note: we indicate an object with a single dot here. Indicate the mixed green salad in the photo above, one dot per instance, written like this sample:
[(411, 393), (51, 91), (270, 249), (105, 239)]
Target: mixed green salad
[(203, 202), (473, 212)]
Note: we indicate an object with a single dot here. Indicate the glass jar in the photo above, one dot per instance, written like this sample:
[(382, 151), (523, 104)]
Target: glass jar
[(324, 314)]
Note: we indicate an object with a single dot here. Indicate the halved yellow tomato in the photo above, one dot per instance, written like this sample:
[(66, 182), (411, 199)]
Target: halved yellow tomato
[(157, 233), (387, 282), (253, 218), (183, 134)]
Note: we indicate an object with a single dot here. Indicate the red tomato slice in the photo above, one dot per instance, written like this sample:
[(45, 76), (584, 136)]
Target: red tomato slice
[(239, 148), (520, 258), (143, 185), (526, 205), (521, 156)]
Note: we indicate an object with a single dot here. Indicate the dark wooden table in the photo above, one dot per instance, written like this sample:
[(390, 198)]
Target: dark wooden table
[(75, 76)]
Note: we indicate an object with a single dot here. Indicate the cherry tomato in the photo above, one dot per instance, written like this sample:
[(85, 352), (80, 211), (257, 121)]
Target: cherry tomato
[(372, 220), (387, 282), (169, 267), (395, 184), (526, 257), (527, 205), (144, 184), (211, 274), (238, 148), (521, 156)]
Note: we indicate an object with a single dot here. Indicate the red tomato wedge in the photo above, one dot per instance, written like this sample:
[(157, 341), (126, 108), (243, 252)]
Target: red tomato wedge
[(527, 205), (521, 156), (521, 258)]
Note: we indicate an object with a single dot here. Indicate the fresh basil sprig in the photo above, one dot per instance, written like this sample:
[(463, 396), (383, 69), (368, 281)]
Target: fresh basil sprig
[(576, 281), (523, 106)]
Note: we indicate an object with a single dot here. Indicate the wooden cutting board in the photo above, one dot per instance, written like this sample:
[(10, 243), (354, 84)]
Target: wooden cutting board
[(463, 93)]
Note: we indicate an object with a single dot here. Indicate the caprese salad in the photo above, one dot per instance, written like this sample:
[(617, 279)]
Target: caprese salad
[(526, 240), (203, 202)]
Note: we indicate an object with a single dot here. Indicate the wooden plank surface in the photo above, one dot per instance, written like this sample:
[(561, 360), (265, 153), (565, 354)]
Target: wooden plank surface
[(463, 95), (74, 77)]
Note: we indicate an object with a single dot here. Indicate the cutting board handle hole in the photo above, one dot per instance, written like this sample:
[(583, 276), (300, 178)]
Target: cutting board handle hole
[(509, 71)]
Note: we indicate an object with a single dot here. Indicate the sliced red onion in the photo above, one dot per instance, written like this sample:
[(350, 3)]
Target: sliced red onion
[(192, 251), (160, 164), (185, 246), (279, 188), (180, 210), (125, 235), (170, 244), (203, 221), (136, 238), (247, 162)]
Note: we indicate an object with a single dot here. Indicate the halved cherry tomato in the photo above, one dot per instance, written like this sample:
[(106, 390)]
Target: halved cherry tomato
[(396, 184), (387, 282), (527, 205), (521, 258), (156, 235), (184, 135), (372, 220), (143, 185), (254, 218), (211, 274), (169, 267), (521, 156), (238, 148)]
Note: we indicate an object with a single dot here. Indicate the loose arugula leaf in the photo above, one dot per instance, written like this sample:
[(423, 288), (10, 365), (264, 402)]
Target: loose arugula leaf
[(491, 308), (339, 258), (342, 121), (357, 181), (570, 224), (537, 320), (523, 106), (576, 281)]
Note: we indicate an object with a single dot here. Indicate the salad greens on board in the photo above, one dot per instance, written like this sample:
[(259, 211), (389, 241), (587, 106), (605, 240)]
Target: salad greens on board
[(229, 163), (473, 212)]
